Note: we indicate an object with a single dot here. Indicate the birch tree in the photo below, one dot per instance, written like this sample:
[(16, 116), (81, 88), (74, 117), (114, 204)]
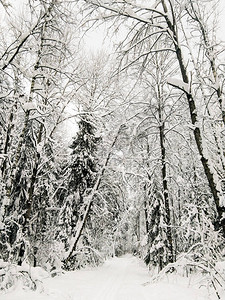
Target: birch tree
[(36, 124)]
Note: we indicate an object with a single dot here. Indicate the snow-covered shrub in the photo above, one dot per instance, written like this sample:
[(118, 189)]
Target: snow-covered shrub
[(12, 275), (50, 255), (85, 257), (204, 260)]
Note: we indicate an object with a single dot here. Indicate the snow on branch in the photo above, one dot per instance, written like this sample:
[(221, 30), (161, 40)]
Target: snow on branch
[(127, 11), (180, 84)]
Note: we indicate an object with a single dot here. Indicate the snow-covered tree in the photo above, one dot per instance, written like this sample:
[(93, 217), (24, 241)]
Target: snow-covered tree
[(82, 174), (162, 25), (36, 60)]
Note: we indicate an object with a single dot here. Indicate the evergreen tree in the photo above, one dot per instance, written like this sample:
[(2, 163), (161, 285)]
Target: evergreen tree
[(158, 250), (82, 174), (83, 161)]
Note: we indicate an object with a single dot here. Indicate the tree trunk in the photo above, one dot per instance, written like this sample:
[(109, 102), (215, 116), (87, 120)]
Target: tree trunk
[(205, 160), (165, 183), (146, 216), (90, 198)]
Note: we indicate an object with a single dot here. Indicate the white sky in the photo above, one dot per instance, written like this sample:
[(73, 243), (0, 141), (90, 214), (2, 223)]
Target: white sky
[(221, 32), (94, 39)]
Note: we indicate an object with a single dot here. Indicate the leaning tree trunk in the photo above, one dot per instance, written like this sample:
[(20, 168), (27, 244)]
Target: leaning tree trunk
[(89, 199)]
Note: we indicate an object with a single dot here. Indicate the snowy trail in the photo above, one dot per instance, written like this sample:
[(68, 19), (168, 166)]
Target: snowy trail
[(120, 282), (118, 279)]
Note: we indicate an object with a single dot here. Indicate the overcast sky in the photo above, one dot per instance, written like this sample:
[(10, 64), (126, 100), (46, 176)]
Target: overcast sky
[(94, 39)]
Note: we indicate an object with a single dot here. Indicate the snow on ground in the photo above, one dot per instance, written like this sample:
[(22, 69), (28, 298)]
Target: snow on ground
[(118, 279)]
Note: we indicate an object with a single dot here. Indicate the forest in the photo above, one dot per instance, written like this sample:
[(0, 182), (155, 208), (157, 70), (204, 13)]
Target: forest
[(113, 151)]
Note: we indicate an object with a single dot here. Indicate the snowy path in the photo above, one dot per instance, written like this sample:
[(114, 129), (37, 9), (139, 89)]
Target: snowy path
[(118, 279)]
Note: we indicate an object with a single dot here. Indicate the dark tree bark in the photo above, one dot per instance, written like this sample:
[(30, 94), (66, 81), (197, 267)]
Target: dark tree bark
[(205, 160), (165, 184)]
